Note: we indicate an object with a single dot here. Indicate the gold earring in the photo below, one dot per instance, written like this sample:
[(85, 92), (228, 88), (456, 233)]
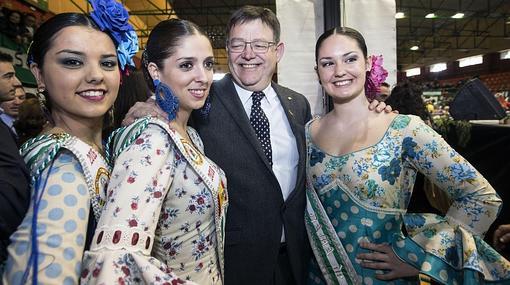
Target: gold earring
[(111, 115), (40, 95)]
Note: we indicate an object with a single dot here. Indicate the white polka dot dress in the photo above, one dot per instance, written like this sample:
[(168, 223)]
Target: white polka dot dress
[(62, 221)]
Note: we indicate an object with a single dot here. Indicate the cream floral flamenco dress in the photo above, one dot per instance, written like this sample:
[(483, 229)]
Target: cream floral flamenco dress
[(163, 222)]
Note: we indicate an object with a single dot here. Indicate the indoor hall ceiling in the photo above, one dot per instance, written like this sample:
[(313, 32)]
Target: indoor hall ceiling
[(211, 15), (485, 28)]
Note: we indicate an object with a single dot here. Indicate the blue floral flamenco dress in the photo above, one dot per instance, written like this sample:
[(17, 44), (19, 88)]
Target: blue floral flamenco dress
[(363, 196)]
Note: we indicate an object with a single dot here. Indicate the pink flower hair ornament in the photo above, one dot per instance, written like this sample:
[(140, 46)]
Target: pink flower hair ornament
[(375, 77)]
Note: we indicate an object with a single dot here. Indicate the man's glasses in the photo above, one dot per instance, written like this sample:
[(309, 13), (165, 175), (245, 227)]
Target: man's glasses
[(256, 46)]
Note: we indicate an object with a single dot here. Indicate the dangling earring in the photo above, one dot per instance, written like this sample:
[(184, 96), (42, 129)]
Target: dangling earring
[(111, 113), (204, 111), (325, 102), (41, 97), (111, 117), (166, 99)]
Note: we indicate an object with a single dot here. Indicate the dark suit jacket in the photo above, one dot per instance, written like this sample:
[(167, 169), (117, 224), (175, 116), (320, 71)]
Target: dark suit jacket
[(14, 188), (256, 210)]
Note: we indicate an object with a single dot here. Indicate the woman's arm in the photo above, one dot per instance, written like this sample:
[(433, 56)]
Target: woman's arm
[(474, 208), (125, 234), (61, 226)]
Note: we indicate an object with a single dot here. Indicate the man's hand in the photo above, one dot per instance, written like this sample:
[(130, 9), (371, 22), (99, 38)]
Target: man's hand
[(142, 109), (380, 106), (382, 257), (501, 237)]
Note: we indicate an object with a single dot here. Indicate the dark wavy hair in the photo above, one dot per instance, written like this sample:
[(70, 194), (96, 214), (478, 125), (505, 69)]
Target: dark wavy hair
[(5, 58), (162, 42), (406, 98)]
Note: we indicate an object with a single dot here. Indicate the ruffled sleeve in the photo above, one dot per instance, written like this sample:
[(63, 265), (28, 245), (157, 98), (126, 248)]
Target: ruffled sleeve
[(451, 248), (121, 247)]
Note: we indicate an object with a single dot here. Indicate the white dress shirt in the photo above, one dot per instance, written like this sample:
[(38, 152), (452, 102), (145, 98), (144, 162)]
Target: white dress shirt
[(8, 120), (283, 141)]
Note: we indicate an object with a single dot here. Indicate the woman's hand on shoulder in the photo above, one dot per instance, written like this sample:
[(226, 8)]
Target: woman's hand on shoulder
[(382, 257), (380, 106), (142, 109)]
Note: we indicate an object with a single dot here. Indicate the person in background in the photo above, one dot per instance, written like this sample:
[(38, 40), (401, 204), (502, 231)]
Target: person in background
[(165, 215), (77, 67), (31, 120), (408, 101), (3, 12), (28, 26), (430, 106), (12, 27), (361, 167), (500, 96), (384, 93), (9, 109), (133, 89), (14, 175)]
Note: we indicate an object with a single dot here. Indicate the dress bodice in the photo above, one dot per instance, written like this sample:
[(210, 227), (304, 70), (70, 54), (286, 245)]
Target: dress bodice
[(377, 176)]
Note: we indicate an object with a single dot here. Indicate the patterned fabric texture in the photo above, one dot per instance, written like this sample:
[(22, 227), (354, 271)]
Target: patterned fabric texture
[(363, 195), (161, 222), (260, 124), (74, 176)]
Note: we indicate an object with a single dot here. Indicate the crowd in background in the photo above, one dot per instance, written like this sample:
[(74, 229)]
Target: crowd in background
[(17, 26)]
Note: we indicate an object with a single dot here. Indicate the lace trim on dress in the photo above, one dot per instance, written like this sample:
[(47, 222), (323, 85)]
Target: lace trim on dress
[(134, 239)]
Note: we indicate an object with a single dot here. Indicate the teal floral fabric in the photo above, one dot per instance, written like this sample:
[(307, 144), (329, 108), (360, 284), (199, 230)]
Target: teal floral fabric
[(365, 194)]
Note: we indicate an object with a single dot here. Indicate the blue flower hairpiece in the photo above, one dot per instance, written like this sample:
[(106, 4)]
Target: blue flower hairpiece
[(111, 17)]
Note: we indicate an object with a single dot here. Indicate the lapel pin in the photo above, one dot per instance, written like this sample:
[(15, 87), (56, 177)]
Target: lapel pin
[(290, 112), (290, 98)]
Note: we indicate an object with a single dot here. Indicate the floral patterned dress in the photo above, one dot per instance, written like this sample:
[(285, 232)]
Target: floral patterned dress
[(363, 195), (68, 191), (163, 222)]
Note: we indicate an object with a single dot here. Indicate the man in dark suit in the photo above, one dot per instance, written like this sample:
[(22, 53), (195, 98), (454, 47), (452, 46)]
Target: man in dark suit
[(14, 176), (265, 240)]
